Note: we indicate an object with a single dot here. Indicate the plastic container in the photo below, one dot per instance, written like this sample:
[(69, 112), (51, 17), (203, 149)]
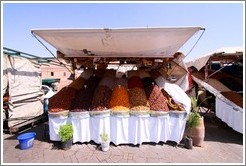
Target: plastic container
[(26, 140)]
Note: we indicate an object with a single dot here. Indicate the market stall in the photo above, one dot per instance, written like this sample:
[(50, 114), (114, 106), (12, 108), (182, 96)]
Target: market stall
[(221, 73), (113, 105), (133, 120)]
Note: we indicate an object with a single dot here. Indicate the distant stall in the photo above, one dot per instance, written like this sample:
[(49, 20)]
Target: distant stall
[(221, 73)]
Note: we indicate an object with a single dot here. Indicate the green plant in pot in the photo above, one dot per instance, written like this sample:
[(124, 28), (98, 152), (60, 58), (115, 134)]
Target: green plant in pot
[(195, 122), (66, 135), (104, 142)]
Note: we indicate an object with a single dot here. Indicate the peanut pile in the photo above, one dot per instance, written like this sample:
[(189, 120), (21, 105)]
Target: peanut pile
[(138, 100)]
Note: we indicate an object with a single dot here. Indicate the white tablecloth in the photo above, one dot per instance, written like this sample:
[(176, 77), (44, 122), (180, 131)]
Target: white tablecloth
[(54, 125), (232, 116), (123, 129), (81, 126)]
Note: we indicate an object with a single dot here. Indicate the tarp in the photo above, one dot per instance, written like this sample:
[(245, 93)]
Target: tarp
[(23, 78), (200, 62), (128, 42)]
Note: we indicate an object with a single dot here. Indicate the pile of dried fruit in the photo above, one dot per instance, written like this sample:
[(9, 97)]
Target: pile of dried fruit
[(82, 100), (83, 97), (92, 82), (101, 98), (135, 82), (62, 100), (120, 99), (148, 84), (138, 100), (157, 101), (171, 103)]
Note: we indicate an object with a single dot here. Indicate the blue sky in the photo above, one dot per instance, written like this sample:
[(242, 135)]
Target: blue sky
[(223, 21)]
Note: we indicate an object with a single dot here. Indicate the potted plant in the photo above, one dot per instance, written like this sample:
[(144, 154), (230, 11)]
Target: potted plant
[(195, 122), (192, 121), (66, 135), (104, 142)]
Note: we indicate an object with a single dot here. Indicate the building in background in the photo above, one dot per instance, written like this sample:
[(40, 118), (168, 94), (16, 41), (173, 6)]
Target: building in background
[(55, 74)]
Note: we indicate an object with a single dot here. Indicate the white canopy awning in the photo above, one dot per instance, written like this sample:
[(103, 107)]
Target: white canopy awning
[(131, 42), (200, 62)]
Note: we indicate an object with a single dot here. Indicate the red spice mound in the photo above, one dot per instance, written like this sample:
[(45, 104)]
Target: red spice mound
[(135, 82)]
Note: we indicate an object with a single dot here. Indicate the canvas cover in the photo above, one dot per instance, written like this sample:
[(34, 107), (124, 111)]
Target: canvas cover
[(162, 42), (126, 42), (23, 78), (200, 62)]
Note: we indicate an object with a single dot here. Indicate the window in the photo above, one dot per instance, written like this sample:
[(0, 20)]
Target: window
[(64, 74), (52, 73)]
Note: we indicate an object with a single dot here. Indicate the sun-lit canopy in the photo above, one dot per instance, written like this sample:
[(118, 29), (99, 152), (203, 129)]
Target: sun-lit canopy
[(127, 42)]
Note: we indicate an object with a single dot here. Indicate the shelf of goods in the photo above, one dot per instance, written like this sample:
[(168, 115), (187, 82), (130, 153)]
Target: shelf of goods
[(229, 109), (131, 110)]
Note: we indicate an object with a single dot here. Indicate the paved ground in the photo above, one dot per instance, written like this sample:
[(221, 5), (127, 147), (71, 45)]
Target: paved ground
[(222, 145)]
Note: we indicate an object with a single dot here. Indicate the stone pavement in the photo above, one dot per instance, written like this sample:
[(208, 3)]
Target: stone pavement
[(222, 146)]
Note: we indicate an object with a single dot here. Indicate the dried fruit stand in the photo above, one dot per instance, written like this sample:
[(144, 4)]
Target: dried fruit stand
[(221, 73), (131, 107)]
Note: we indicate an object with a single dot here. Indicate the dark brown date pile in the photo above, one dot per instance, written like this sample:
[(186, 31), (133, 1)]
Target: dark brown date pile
[(138, 100), (148, 83), (157, 101), (135, 82), (92, 82), (101, 98), (84, 96), (82, 100), (62, 100)]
